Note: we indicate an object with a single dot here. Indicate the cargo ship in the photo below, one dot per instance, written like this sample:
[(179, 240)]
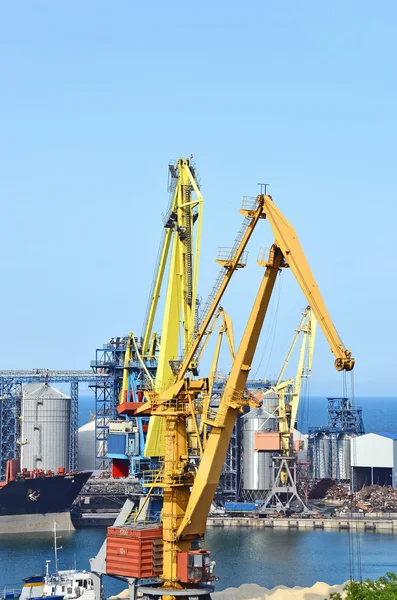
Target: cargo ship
[(30, 501)]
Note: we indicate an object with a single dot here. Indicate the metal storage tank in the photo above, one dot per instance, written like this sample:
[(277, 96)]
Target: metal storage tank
[(344, 456), (322, 455), (45, 427), (269, 402), (86, 447), (256, 466), (333, 451)]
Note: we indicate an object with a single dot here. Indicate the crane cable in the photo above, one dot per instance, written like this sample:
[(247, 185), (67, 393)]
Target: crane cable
[(350, 519), (357, 533), (353, 532)]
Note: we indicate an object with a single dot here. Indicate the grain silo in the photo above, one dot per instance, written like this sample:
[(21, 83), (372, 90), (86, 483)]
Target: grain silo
[(45, 427), (344, 456), (323, 453), (330, 455), (330, 446), (256, 474), (86, 447)]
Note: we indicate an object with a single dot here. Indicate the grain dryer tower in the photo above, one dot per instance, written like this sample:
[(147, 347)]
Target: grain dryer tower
[(45, 436)]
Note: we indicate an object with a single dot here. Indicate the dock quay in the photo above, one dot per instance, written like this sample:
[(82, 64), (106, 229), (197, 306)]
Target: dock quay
[(385, 523), (371, 522), (95, 519)]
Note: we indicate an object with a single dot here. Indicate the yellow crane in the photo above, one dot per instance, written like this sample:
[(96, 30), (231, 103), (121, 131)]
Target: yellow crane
[(287, 414), (188, 492), (226, 328), (230, 260), (180, 249), (284, 496)]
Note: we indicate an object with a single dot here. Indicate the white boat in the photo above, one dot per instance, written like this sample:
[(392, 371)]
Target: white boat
[(69, 584), (61, 585)]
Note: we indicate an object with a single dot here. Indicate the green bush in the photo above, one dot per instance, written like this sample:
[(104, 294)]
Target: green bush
[(384, 588)]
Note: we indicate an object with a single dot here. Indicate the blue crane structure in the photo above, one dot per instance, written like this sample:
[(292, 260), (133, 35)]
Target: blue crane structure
[(110, 362), (11, 382)]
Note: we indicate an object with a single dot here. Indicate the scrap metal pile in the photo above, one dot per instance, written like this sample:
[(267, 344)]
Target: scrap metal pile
[(378, 499), (337, 492), (327, 489), (372, 498)]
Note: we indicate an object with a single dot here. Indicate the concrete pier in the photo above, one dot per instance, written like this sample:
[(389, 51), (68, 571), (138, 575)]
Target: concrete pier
[(367, 523)]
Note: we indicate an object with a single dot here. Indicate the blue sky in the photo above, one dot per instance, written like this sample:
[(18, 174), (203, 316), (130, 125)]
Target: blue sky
[(97, 97)]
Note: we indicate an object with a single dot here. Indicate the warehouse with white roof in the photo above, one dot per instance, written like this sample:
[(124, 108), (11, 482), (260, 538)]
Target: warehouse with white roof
[(374, 459)]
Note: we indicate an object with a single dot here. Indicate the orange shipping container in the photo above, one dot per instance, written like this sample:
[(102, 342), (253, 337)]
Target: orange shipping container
[(266, 441), (134, 551)]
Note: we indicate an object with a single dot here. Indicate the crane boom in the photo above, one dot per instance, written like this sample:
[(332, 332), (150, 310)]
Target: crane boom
[(291, 349), (208, 473), (287, 239), (251, 217), (226, 328), (300, 372)]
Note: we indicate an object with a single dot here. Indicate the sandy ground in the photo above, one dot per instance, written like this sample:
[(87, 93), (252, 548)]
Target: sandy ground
[(251, 591)]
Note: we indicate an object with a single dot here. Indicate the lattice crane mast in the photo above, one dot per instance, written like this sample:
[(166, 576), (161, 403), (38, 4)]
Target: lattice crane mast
[(188, 492), (180, 250), (147, 362)]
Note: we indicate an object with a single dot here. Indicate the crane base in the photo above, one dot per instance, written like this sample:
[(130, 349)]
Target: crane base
[(153, 593)]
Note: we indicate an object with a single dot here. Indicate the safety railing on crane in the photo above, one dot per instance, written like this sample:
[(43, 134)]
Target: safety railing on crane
[(249, 203), (150, 478), (263, 256), (218, 282), (225, 255)]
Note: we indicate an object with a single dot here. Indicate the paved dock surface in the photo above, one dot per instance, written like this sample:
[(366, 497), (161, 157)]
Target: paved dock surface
[(367, 523)]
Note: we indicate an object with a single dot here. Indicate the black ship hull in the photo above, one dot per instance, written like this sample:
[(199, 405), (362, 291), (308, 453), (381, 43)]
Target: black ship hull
[(33, 504)]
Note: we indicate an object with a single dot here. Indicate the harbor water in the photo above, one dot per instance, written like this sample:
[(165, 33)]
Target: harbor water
[(243, 555), (265, 557)]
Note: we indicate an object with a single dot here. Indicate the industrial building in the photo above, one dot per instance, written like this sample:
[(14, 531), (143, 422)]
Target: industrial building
[(374, 460)]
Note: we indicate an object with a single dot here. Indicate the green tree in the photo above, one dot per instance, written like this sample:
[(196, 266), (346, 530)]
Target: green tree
[(384, 588)]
